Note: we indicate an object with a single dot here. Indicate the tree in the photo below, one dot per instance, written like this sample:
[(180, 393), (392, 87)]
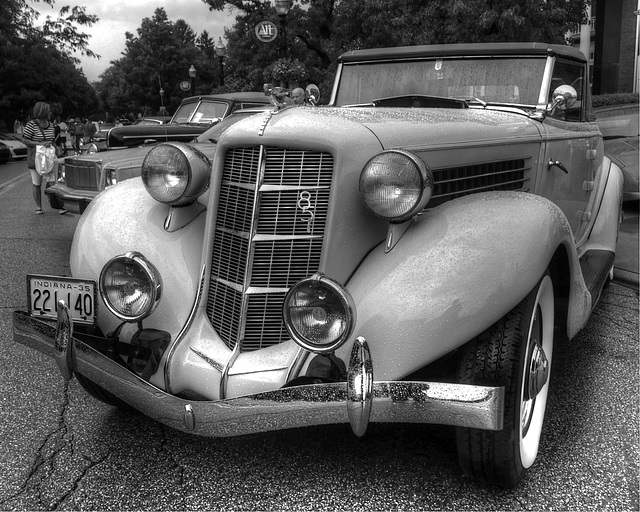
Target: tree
[(320, 30), (37, 62), (157, 59)]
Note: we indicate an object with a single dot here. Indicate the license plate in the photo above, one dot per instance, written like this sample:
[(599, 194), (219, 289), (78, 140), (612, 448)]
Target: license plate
[(45, 292)]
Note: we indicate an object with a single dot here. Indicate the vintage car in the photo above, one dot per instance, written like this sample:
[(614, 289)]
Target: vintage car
[(405, 254), (82, 177), (194, 115)]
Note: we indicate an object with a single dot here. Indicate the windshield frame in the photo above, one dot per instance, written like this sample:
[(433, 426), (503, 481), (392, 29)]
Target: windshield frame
[(533, 86)]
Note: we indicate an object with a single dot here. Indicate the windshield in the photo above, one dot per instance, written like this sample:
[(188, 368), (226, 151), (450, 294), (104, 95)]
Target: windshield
[(493, 80), (204, 112)]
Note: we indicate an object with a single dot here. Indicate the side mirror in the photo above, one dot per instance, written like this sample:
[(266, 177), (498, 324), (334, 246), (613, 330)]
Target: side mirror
[(564, 97), (312, 92)]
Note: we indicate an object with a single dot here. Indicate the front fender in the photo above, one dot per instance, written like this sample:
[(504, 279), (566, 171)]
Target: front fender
[(455, 272), (177, 255)]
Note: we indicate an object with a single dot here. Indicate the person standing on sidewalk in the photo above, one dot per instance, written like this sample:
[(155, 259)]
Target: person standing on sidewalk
[(39, 131)]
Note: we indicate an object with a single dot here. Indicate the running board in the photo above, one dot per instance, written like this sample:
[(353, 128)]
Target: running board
[(596, 266)]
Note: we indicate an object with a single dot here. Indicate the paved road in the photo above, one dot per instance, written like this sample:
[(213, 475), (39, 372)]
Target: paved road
[(62, 450)]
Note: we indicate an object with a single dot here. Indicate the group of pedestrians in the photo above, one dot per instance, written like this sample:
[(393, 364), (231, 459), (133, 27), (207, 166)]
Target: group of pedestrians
[(42, 131)]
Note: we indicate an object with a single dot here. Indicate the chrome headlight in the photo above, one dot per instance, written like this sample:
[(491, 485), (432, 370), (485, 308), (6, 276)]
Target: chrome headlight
[(395, 185), (89, 149), (130, 286), (110, 177), (175, 173), (319, 314)]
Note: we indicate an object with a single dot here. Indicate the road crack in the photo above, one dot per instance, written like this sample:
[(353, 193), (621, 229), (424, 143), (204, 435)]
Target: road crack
[(58, 467)]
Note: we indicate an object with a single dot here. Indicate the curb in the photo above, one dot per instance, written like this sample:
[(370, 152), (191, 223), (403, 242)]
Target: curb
[(626, 279)]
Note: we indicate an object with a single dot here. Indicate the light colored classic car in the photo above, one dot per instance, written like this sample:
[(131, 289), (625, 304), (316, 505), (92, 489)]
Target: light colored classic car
[(404, 254), (82, 177), (16, 147)]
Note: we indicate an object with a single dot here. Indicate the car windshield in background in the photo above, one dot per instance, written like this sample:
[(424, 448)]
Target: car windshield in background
[(505, 81), (205, 112)]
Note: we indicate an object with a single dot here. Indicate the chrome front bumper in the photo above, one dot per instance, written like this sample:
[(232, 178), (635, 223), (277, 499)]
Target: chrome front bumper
[(358, 401)]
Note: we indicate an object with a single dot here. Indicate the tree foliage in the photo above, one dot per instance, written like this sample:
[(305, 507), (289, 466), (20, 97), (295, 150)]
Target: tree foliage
[(318, 31), (38, 63), (155, 62)]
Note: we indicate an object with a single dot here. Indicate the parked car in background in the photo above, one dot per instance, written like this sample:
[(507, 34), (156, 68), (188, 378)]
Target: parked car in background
[(409, 253), (621, 133), (194, 115), (82, 177), (16, 147), (5, 153), (152, 120)]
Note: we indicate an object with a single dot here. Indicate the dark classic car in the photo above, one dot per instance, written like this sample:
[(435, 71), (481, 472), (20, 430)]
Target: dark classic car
[(82, 178), (194, 116), (409, 253)]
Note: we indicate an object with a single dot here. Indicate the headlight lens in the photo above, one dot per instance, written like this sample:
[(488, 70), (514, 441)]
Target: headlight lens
[(175, 173), (130, 286), (396, 185), (110, 177), (89, 149), (319, 314)]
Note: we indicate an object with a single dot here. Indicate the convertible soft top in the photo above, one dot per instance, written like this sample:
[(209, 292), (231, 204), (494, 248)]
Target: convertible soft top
[(469, 49)]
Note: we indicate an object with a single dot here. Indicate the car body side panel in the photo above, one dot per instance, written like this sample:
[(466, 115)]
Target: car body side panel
[(458, 270)]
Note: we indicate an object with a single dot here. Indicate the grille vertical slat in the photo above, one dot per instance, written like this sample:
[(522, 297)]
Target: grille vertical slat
[(271, 218)]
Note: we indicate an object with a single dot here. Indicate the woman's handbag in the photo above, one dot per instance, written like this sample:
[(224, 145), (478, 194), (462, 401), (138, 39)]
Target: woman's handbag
[(31, 157), (45, 159)]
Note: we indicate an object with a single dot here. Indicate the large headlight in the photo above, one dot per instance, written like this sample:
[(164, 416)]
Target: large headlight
[(175, 173), (395, 185), (319, 314), (130, 286)]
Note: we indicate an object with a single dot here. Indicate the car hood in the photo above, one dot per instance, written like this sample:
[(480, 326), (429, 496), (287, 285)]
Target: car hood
[(13, 143), (136, 135), (115, 157), (416, 127)]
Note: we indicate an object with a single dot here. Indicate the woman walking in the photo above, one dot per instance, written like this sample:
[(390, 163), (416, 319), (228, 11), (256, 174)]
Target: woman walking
[(39, 131)]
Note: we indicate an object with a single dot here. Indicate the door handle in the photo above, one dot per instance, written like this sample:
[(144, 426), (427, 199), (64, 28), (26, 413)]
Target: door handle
[(557, 164)]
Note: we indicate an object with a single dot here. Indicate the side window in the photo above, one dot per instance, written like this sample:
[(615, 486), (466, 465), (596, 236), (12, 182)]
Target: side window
[(569, 73)]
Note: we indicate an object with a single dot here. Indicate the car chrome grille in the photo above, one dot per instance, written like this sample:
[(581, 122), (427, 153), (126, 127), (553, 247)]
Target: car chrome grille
[(455, 182), (271, 218), (81, 175)]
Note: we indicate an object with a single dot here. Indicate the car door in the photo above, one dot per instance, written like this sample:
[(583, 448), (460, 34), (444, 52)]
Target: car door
[(571, 150)]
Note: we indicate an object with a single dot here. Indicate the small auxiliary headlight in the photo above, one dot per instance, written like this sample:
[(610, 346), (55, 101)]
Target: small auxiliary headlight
[(395, 185), (110, 177), (319, 314), (130, 286), (89, 149), (175, 173)]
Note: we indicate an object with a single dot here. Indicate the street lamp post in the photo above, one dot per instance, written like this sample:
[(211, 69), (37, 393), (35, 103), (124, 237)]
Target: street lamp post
[(282, 9), (221, 51), (192, 76)]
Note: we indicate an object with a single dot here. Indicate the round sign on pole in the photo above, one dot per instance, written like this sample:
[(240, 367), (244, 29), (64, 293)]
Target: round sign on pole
[(185, 85), (266, 31)]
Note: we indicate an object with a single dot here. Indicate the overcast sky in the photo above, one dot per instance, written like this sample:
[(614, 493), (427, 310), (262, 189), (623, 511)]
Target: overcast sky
[(118, 17)]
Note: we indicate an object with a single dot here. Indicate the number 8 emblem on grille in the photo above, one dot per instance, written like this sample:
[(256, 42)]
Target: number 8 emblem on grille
[(304, 203)]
